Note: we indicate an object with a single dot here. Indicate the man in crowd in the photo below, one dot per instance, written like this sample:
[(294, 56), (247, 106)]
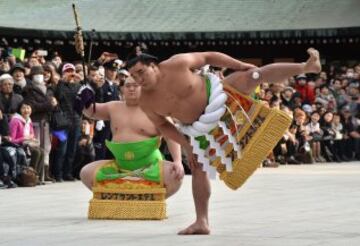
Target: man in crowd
[(18, 73), (9, 100), (65, 94)]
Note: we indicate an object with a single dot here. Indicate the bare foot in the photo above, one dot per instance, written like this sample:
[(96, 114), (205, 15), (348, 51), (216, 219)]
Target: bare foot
[(313, 65), (197, 228)]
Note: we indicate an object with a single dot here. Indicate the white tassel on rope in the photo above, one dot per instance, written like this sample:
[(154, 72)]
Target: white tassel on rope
[(208, 121)]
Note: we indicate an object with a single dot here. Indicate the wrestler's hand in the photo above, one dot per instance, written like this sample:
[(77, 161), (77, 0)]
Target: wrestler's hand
[(178, 170)]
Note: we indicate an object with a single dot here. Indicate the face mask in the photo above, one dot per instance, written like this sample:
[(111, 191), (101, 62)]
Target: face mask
[(38, 78)]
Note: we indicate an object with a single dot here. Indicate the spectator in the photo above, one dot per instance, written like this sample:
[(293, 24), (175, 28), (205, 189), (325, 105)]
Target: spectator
[(277, 88), (4, 66), (51, 77), (323, 76), (85, 150), (351, 134), (326, 98), (268, 95), (22, 132), (79, 70), (328, 137), (287, 147), (354, 99), (7, 156), (96, 80), (319, 82), (9, 101), (335, 88), (303, 154), (337, 127), (296, 100), (42, 104), (292, 145), (18, 73), (306, 91), (286, 96), (275, 102), (313, 128), (110, 91), (65, 94), (33, 61), (123, 74), (57, 61), (308, 110)]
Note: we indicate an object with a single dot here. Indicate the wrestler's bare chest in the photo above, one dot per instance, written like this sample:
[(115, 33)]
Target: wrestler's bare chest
[(131, 124), (181, 96)]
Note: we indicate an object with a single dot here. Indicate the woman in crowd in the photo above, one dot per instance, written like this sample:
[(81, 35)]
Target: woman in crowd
[(328, 137), (313, 128), (22, 132), (338, 128)]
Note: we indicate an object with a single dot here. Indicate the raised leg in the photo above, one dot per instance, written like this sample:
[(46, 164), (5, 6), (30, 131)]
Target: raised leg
[(247, 81)]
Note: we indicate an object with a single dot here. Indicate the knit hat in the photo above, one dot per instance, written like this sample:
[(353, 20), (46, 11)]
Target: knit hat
[(6, 76), (18, 66)]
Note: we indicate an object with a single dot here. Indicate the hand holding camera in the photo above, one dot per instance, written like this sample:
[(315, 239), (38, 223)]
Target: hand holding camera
[(107, 56)]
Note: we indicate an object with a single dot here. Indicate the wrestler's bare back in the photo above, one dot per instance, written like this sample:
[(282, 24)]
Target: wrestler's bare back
[(128, 123), (179, 93)]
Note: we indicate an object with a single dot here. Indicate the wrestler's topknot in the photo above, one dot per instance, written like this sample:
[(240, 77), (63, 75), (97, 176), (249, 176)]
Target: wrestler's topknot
[(143, 58)]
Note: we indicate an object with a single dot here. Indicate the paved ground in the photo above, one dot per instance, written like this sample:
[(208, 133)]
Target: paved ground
[(291, 205)]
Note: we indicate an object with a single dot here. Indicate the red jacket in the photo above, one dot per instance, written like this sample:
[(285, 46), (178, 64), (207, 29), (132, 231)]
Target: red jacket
[(307, 93)]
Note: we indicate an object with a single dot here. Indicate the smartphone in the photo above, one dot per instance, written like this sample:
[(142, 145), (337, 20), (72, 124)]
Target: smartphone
[(42, 52)]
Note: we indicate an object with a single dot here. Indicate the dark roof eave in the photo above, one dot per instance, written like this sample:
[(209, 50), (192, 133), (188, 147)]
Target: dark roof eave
[(265, 34)]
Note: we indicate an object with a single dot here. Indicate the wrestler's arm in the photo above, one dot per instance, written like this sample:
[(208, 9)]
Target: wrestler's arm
[(174, 147), (175, 151), (102, 111), (197, 60), (169, 131)]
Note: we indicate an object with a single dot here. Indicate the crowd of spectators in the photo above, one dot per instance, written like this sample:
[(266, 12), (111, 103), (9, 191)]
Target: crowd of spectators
[(325, 109), (43, 136)]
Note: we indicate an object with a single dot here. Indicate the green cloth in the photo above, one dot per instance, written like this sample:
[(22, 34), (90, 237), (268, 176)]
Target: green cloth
[(202, 139), (136, 159), (208, 88)]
